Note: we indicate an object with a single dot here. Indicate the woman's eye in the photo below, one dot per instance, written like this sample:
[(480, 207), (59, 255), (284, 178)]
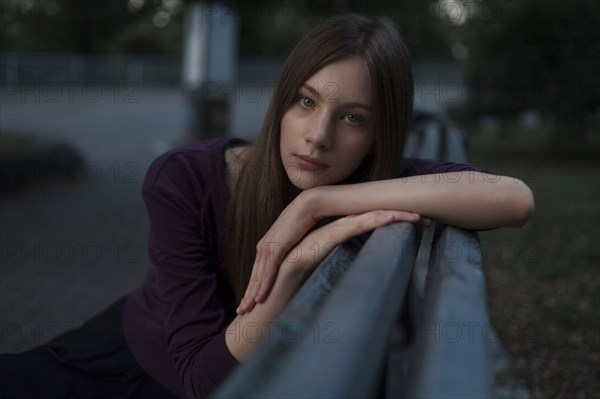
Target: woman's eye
[(307, 102), (355, 119)]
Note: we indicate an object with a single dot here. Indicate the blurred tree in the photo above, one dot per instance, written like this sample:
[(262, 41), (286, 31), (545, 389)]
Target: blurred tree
[(91, 26), (158, 32), (267, 27), (60, 25), (540, 55), (272, 28)]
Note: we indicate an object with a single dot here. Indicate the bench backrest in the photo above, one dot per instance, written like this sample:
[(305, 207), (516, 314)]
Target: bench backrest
[(382, 314)]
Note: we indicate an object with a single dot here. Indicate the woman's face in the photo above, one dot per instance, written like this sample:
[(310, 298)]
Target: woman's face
[(327, 132)]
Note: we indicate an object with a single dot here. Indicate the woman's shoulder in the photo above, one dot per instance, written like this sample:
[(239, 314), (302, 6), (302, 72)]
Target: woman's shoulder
[(414, 166), (199, 159)]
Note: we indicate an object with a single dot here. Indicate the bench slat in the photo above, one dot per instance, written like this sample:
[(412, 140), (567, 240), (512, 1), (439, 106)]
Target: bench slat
[(345, 357), (452, 357)]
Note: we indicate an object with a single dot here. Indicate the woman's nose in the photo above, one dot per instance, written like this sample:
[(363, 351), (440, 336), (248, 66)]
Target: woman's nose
[(320, 132)]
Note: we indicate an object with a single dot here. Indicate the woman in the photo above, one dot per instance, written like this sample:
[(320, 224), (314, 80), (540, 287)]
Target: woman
[(331, 146), (234, 228)]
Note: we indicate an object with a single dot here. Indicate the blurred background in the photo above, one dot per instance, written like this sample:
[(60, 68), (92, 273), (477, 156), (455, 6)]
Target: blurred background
[(91, 92)]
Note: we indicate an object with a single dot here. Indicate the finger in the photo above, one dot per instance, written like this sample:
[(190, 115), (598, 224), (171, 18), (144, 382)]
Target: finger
[(251, 300), (263, 276), (265, 286), (262, 255), (353, 225), (268, 271), (419, 219), (404, 216), (377, 218), (381, 217), (242, 308), (249, 306), (246, 306), (329, 235)]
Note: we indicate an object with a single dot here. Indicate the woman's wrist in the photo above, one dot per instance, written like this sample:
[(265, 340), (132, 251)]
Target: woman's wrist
[(313, 203)]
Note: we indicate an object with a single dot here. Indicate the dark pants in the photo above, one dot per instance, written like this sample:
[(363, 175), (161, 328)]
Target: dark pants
[(91, 362)]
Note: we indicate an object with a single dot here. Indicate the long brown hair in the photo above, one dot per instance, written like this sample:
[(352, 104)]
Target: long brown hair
[(263, 189)]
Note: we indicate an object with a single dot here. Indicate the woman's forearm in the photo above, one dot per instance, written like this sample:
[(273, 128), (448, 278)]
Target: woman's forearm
[(246, 331), (471, 200)]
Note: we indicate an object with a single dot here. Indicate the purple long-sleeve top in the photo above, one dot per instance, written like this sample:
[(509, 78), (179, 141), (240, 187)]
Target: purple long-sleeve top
[(175, 321)]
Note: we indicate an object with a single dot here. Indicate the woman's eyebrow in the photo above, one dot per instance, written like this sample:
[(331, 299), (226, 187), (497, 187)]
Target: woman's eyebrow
[(316, 93)]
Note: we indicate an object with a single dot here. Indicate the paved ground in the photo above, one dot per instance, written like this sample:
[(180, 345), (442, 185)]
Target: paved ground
[(67, 250)]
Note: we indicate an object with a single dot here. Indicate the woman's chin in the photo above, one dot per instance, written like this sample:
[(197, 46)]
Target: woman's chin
[(306, 183)]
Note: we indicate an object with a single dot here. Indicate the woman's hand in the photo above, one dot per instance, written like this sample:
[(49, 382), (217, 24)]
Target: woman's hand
[(289, 228), (307, 254), (313, 248)]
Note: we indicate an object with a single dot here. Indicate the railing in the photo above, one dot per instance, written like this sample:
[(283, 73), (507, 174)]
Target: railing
[(385, 319), (71, 69)]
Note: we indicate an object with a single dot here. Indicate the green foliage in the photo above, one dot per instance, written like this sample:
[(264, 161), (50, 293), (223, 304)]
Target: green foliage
[(91, 26), (144, 37), (272, 28), (267, 27), (539, 55), (424, 32), (60, 25)]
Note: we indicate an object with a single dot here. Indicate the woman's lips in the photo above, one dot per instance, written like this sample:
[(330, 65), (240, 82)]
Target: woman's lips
[(309, 163)]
